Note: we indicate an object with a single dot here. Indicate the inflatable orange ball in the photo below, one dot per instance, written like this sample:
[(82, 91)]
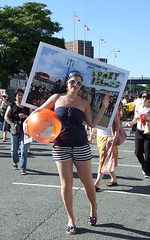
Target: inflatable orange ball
[(44, 125)]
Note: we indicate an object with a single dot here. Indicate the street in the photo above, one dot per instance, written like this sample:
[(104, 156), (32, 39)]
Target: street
[(32, 207)]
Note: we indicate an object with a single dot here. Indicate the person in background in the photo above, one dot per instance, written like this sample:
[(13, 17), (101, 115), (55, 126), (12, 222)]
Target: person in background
[(71, 146), (5, 125), (124, 101), (108, 153), (16, 114), (142, 141), (137, 102)]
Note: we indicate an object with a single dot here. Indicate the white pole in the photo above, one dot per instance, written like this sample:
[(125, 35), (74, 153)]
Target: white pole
[(73, 32), (99, 45), (84, 38)]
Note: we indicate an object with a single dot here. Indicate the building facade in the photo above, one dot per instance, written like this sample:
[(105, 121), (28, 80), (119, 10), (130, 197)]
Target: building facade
[(79, 48)]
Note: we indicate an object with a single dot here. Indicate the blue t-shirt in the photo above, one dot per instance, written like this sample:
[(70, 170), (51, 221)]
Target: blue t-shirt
[(73, 132)]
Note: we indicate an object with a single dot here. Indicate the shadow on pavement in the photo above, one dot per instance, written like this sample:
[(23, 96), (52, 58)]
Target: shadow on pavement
[(115, 235)]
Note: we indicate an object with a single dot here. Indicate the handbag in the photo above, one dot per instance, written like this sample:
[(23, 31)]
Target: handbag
[(16, 128), (122, 134), (147, 128)]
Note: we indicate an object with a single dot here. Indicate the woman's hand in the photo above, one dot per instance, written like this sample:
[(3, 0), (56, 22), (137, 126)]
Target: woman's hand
[(105, 102), (147, 116), (25, 127), (22, 115), (114, 140), (128, 124)]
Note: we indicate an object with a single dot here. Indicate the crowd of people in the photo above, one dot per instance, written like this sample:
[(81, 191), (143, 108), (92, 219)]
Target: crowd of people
[(72, 146)]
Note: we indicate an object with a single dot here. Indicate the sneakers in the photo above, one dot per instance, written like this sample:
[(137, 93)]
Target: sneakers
[(147, 175)]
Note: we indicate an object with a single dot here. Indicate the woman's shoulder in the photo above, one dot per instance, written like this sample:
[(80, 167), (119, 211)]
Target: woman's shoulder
[(12, 104), (85, 102)]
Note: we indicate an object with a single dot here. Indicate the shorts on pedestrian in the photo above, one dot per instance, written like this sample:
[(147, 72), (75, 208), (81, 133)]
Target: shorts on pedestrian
[(82, 153)]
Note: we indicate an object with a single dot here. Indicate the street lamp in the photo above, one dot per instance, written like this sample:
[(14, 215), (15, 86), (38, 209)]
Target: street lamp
[(114, 51)]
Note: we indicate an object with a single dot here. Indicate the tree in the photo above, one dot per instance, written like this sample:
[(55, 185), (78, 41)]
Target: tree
[(21, 30)]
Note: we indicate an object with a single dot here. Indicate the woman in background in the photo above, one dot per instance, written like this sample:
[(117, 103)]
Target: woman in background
[(5, 125), (108, 153), (142, 141)]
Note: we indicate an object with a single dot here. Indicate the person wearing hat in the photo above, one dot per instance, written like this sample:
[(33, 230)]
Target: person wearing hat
[(71, 147), (5, 125)]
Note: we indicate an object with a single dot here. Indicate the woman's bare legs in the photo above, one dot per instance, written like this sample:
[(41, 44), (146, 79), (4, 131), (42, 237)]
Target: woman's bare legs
[(4, 135), (85, 173), (65, 170), (113, 177), (98, 180)]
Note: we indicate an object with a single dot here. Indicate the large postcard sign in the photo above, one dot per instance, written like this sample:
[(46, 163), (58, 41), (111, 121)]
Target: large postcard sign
[(49, 73)]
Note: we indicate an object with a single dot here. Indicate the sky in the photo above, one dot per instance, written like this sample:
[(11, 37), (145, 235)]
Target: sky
[(123, 24)]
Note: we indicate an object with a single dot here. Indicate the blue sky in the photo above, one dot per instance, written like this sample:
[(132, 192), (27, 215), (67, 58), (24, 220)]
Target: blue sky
[(124, 24)]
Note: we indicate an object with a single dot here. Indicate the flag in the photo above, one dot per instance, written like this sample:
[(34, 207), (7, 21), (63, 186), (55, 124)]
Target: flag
[(103, 41), (86, 28), (76, 18)]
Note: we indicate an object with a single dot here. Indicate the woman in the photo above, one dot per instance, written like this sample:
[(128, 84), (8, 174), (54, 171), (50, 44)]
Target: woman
[(16, 114), (71, 146), (108, 153), (5, 125), (142, 141)]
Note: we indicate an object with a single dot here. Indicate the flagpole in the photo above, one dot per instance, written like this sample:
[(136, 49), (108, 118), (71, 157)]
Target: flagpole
[(99, 46), (84, 38), (74, 31)]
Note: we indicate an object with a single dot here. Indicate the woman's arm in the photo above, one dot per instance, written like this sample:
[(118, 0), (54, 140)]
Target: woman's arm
[(7, 115), (147, 116), (116, 128), (92, 133), (50, 103), (134, 121), (92, 122)]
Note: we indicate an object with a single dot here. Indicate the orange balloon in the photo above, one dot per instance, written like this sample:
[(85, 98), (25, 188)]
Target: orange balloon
[(44, 125)]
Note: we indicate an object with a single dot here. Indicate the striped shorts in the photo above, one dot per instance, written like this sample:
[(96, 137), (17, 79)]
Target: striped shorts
[(82, 153)]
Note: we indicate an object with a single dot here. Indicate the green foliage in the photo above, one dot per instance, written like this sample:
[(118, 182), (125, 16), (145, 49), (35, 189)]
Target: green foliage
[(136, 87), (21, 30)]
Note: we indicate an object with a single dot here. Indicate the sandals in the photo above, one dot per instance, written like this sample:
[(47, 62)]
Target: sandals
[(92, 221), (97, 189), (111, 184), (23, 172), (71, 229), (15, 166)]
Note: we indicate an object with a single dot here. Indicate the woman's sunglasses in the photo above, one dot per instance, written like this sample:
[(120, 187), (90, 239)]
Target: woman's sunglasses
[(72, 81), (145, 97)]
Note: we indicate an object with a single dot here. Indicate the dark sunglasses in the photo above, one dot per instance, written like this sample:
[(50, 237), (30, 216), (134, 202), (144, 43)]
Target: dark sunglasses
[(72, 81), (145, 97)]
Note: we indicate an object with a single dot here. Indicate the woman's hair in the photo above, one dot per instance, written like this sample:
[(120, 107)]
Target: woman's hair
[(141, 93), (18, 90), (74, 73)]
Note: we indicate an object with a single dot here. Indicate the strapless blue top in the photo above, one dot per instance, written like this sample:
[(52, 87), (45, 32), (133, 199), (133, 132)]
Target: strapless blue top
[(73, 133)]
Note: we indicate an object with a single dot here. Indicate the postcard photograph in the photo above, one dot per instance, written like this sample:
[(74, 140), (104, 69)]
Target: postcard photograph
[(49, 74)]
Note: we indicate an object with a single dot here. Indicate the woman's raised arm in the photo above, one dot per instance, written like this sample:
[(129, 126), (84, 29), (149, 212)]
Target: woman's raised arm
[(92, 122)]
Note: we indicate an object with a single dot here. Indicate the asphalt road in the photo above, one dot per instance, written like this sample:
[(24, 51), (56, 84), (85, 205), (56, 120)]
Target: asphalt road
[(31, 206)]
